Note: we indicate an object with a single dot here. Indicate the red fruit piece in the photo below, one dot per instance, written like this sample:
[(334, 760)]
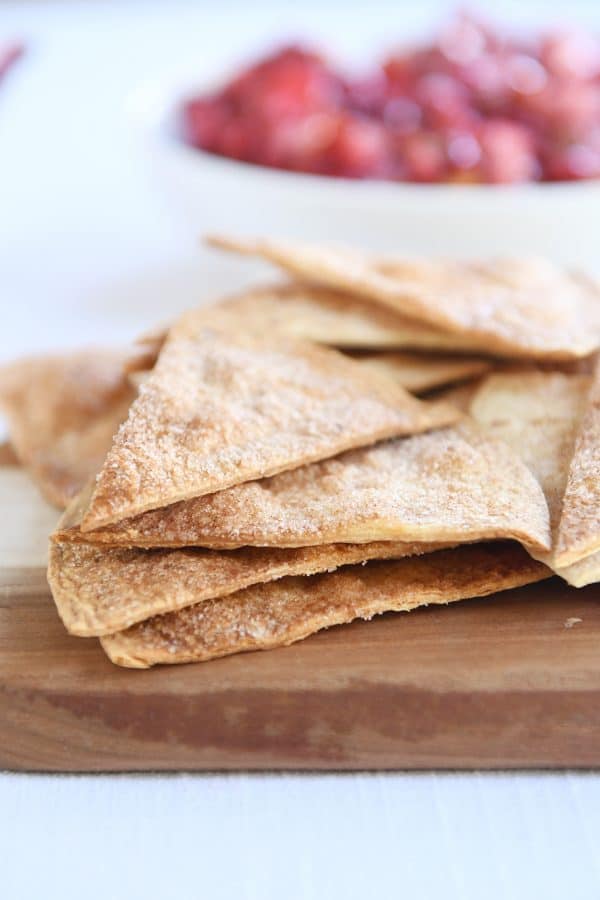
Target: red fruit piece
[(486, 79), (402, 115), (292, 82), (424, 157), (507, 153), (525, 74), (300, 144), (571, 54), (463, 151), (360, 149), (563, 111), (367, 95), (204, 121), (444, 100), (572, 163)]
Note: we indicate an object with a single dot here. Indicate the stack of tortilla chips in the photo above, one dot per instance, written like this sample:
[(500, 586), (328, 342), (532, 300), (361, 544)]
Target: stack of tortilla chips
[(262, 469)]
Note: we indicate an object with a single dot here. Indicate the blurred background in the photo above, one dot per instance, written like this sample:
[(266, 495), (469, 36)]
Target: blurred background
[(102, 203)]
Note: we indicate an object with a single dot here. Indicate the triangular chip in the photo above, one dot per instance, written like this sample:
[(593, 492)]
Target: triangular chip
[(222, 408), (420, 372), (462, 395), (63, 412), (539, 414), (515, 307), (318, 314), (453, 485), (579, 529), (279, 613), (100, 590), (585, 571)]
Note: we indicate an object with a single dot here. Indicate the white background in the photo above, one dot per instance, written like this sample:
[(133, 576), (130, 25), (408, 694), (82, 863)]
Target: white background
[(89, 251)]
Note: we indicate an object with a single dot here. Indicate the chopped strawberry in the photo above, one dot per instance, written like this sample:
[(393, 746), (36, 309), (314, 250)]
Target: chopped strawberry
[(507, 153), (425, 157)]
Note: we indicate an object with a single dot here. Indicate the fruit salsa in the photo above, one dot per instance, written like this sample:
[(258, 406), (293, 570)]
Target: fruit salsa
[(475, 105)]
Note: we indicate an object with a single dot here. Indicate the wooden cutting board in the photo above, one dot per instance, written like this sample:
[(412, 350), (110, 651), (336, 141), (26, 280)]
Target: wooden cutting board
[(508, 681)]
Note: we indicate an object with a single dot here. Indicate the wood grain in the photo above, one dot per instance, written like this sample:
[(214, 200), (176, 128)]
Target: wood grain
[(492, 683), (7, 455)]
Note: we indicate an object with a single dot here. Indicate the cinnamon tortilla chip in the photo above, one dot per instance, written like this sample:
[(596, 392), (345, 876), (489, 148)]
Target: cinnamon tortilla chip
[(579, 528), (279, 613), (98, 590), (62, 413), (420, 372), (539, 415), (462, 395), (515, 307), (222, 408), (312, 313), (417, 373), (585, 571), (454, 485)]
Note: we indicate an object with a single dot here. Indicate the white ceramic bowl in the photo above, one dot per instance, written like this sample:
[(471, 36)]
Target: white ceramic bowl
[(561, 221)]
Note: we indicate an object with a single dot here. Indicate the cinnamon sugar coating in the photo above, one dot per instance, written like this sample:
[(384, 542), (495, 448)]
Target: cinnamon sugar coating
[(517, 307), (579, 529), (99, 590), (221, 408), (63, 411), (279, 613), (452, 485)]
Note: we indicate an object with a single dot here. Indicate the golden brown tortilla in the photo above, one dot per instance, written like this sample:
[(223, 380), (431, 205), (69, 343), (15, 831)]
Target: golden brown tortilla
[(222, 408), (318, 314), (527, 308), (281, 612), (63, 411), (99, 590), (539, 415), (453, 485), (579, 528), (421, 372)]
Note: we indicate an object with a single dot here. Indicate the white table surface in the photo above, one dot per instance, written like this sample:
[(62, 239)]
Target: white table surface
[(90, 251)]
